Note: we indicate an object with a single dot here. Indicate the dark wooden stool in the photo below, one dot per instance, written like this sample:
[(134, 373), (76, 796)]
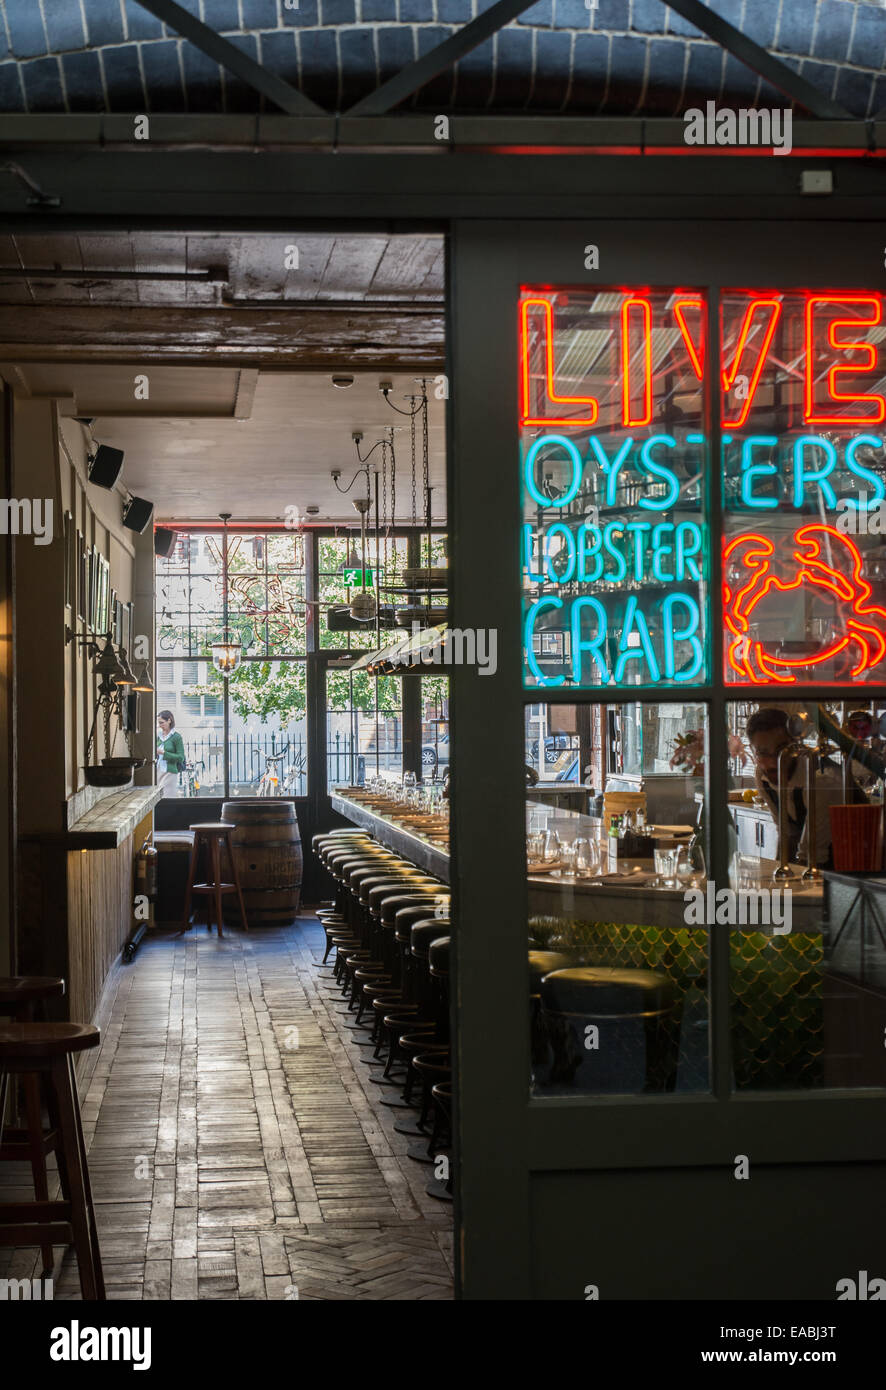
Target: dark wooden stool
[(45, 1051), (23, 999), (212, 835)]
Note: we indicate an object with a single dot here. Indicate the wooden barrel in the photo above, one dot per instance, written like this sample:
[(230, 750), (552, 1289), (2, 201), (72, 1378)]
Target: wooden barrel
[(267, 851)]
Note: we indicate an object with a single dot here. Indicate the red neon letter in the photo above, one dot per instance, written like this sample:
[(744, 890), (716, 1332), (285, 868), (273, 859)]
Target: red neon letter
[(693, 347), (772, 307), (645, 408), (547, 343), (814, 560), (874, 304)]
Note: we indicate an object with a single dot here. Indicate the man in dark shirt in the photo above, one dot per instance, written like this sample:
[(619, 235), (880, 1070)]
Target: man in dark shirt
[(767, 734)]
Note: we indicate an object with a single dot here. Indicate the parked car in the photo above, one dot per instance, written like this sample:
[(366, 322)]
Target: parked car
[(434, 756), (555, 746)]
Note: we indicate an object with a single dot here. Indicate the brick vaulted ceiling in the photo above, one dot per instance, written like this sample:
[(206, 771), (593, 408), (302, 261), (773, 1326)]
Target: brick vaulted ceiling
[(619, 57)]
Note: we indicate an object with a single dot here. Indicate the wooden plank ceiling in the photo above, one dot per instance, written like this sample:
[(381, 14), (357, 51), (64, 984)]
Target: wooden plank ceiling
[(371, 301)]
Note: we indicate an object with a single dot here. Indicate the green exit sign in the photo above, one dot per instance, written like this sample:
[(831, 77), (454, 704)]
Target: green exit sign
[(355, 577)]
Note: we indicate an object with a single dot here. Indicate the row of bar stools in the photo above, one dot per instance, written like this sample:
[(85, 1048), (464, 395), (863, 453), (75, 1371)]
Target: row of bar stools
[(378, 897), (41, 1054), (213, 838)]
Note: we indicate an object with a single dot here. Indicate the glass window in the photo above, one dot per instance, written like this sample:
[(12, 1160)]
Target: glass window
[(805, 481), (364, 728), (266, 695), (434, 726), (342, 577), (805, 904), (613, 455), (618, 947)]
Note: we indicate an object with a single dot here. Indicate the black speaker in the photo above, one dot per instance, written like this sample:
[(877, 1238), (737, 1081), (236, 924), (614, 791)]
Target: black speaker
[(105, 465), (137, 513), (164, 542)]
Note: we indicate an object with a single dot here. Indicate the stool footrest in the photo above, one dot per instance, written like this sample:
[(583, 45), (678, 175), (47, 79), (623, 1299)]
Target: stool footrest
[(59, 1233), (16, 1144), (12, 1212)]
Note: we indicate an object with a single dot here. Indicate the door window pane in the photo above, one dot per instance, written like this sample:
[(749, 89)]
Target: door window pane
[(807, 894), (805, 481), (616, 867), (613, 453)]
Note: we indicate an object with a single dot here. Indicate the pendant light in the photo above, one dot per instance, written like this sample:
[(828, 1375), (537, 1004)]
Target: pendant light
[(226, 654), (363, 605)]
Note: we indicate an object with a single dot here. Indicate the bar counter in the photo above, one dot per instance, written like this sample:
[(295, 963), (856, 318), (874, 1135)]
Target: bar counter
[(558, 897)]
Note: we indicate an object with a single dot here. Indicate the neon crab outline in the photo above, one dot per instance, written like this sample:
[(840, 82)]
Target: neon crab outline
[(745, 654)]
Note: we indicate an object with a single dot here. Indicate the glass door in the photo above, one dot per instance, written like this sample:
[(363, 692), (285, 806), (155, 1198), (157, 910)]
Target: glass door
[(666, 444)]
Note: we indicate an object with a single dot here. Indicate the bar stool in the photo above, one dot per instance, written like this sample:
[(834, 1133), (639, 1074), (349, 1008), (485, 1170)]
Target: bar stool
[(23, 998), (441, 1138), (541, 963), (637, 1039), (212, 835), (45, 1052)]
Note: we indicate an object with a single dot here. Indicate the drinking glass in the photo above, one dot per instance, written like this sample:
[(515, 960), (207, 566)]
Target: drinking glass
[(567, 858), (408, 779), (587, 860), (551, 846), (535, 846), (684, 868), (664, 860)]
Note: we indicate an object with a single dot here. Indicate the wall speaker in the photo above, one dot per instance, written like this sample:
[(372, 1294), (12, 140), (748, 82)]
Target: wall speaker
[(137, 513), (105, 465), (164, 542)]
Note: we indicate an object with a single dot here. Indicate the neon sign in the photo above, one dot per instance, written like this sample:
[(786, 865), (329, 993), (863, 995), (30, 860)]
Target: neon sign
[(614, 464), (746, 359), (864, 622)]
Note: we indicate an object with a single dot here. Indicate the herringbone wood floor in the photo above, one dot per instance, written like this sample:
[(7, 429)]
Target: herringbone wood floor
[(237, 1146)]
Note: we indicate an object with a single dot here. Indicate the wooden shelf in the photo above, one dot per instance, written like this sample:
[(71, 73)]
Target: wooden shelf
[(107, 824)]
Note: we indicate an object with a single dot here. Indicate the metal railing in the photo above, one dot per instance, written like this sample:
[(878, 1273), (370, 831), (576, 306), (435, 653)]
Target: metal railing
[(346, 762)]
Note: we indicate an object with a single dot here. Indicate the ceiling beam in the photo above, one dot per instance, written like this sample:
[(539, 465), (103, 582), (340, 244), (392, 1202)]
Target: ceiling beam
[(229, 56), (415, 75), (759, 60), (317, 336)]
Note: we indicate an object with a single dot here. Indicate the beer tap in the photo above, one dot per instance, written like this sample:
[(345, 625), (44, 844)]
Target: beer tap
[(783, 871), (810, 743)]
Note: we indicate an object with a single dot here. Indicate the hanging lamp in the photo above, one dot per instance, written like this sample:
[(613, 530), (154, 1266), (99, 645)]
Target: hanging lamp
[(227, 653), (363, 604)]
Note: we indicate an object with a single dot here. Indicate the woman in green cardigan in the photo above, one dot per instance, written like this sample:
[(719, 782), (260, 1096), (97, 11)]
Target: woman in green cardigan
[(170, 753)]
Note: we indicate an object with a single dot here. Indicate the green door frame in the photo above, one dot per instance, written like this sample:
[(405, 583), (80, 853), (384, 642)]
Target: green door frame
[(509, 1144)]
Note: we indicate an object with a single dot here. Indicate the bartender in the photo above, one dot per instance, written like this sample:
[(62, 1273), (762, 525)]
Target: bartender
[(767, 733)]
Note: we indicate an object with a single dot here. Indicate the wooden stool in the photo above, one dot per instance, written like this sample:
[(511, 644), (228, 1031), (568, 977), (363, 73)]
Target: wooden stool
[(213, 834), (45, 1051), (22, 998)]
